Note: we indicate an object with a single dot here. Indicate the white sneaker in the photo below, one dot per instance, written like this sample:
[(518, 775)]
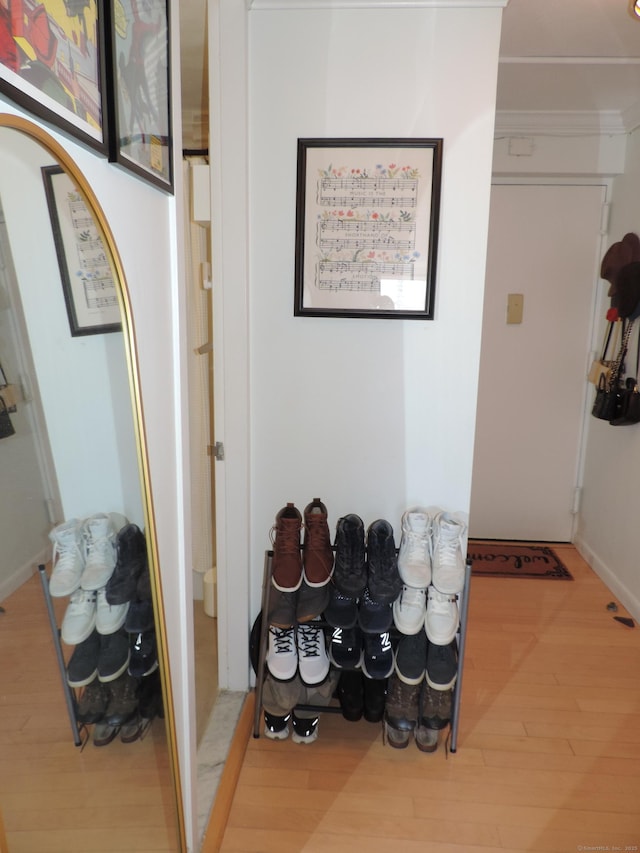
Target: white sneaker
[(409, 610), (100, 533), (79, 618), (414, 555), (282, 653), (68, 558), (442, 618), (109, 617), (313, 659), (448, 553)]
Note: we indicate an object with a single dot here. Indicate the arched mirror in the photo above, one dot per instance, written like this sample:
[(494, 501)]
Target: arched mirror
[(72, 451)]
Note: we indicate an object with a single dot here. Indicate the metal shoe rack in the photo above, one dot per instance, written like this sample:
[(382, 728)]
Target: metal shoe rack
[(463, 609)]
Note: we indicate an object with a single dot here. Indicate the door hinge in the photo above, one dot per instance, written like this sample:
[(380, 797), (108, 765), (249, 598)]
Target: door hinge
[(217, 451)]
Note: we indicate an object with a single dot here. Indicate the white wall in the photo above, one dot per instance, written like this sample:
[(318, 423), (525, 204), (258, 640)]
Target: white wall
[(370, 415), (608, 518)]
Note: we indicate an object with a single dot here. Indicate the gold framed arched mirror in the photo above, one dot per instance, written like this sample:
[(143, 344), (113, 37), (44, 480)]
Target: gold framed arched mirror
[(74, 448)]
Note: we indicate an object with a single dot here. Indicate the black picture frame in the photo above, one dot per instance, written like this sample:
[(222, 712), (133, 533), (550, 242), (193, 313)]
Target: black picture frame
[(55, 68), (367, 220), (88, 285), (139, 102)]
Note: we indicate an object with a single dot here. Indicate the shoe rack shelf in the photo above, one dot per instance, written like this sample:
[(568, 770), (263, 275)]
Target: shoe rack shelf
[(460, 639)]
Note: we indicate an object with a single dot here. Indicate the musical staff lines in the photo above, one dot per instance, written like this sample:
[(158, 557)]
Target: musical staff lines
[(339, 235), (98, 286), (359, 275), (363, 192)]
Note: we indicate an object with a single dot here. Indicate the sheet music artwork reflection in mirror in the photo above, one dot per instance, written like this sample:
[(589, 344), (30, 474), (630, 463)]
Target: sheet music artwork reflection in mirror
[(87, 281), (367, 215)]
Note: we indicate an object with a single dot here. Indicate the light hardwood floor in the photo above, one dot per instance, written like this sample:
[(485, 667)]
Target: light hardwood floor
[(56, 797), (548, 746)]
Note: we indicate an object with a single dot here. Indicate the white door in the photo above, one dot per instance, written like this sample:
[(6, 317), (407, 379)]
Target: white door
[(28, 492), (544, 243)]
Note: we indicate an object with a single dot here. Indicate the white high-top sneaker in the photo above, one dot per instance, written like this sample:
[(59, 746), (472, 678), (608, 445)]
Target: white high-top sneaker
[(100, 532), (414, 555), (68, 558), (448, 553)]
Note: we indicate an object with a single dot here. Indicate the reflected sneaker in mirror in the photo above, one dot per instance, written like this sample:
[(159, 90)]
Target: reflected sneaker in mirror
[(286, 564), (410, 609), (448, 566), (414, 555), (79, 618), (313, 660), (68, 558), (100, 533), (82, 668), (317, 553), (350, 566), (109, 617), (384, 582), (114, 656), (92, 703), (143, 659), (442, 617), (282, 653), (123, 702), (131, 560)]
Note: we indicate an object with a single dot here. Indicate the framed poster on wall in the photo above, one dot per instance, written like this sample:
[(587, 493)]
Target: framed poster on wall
[(88, 286), (367, 213), (139, 73), (52, 63)]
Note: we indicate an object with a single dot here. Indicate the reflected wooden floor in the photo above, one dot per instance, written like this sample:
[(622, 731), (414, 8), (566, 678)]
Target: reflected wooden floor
[(548, 747), (56, 797)]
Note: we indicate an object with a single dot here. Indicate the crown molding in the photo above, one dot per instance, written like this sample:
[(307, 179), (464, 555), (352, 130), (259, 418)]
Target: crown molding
[(578, 123), (273, 5)]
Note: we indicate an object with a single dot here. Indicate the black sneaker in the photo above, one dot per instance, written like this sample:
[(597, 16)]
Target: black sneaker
[(143, 659), (275, 727), (350, 568), (123, 704), (374, 617), (93, 703), (377, 655), (345, 647), (385, 583), (341, 610), (281, 607), (442, 666), (131, 560), (375, 696), (401, 707), (139, 616), (150, 697), (305, 729), (351, 694), (311, 601), (83, 663), (411, 658), (114, 655)]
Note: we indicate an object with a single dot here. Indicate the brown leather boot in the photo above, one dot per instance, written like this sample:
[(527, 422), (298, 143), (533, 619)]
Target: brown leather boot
[(317, 551), (286, 565)]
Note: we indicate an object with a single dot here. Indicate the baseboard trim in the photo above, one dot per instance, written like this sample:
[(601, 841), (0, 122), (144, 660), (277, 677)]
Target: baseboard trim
[(229, 779), (622, 593)]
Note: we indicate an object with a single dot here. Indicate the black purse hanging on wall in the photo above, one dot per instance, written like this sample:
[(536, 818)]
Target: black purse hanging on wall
[(6, 427), (609, 390), (627, 408)]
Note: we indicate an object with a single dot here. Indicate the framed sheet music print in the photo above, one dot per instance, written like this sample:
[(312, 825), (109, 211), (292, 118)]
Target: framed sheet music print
[(367, 214)]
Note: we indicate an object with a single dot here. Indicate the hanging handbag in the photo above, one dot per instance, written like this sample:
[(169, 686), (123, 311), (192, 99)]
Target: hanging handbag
[(627, 408), (609, 391), (603, 365), (6, 427)]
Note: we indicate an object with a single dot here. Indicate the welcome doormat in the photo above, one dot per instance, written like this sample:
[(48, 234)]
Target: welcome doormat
[(502, 559)]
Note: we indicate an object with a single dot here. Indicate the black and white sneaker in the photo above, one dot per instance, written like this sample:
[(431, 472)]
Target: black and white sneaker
[(442, 666), (305, 729), (83, 664), (345, 647), (282, 653), (377, 655), (276, 728), (313, 659), (411, 658)]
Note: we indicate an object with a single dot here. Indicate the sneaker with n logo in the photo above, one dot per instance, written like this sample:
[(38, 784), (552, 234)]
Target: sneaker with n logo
[(345, 647), (377, 655)]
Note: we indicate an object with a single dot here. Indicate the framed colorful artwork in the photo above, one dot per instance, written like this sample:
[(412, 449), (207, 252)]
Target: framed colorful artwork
[(52, 63), (90, 293), (367, 215), (140, 75)]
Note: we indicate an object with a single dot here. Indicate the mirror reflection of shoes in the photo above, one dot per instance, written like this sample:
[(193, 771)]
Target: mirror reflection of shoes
[(100, 532), (150, 697), (83, 663), (79, 618), (144, 655), (113, 659), (103, 734), (139, 616), (123, 702), (68, 558), (109, 617), (92, 703), (132, 730), (131, 561)]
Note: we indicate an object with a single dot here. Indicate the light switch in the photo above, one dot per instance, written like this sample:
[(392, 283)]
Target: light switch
[(515, 307)]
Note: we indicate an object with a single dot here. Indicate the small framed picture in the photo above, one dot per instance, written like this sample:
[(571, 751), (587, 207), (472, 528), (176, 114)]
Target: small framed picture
[(367, 214), (52, 63), (88, 286), (138, 60)]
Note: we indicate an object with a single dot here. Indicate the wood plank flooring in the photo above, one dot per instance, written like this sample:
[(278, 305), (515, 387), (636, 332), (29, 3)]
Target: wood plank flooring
[(54, 796), (548, 745)]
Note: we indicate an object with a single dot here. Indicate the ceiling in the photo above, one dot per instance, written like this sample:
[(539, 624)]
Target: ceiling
[(566, 63)]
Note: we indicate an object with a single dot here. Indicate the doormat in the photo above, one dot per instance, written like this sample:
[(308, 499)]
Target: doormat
[(502, 559)]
